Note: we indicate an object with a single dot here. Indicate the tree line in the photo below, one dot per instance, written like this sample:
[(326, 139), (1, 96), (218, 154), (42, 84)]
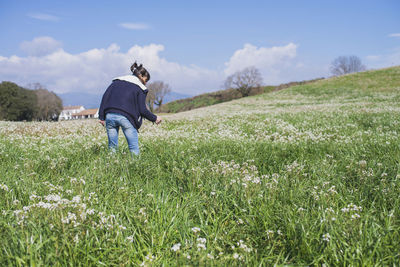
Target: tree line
[(34, 104)]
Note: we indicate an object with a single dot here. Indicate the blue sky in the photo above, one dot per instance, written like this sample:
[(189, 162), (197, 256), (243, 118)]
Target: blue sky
[(192, 45)]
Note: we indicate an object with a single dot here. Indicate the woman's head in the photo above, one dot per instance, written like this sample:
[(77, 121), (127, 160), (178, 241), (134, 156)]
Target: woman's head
[(140, 72)]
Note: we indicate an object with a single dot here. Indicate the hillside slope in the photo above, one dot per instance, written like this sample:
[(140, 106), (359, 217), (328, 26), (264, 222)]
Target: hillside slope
[(221, 96), (354, 91)]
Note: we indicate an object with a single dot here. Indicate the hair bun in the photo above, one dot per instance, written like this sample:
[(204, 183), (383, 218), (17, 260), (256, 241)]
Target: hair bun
[(134, 66), (139, 70)]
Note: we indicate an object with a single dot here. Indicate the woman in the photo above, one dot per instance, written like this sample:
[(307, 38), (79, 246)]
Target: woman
[(123, 105)]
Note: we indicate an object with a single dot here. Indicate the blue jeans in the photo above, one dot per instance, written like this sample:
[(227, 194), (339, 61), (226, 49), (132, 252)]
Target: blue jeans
[(113, 122)]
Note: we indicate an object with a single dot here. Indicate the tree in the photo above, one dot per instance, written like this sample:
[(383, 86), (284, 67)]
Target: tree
[(150, 99), (346, 64), (244, 81), (49, 104), (17, 103), (159, 90)]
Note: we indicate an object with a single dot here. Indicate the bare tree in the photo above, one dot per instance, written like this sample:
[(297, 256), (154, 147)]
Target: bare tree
[(159, 90), (346, 64), (244, 80), (49, 104), (150, 99)]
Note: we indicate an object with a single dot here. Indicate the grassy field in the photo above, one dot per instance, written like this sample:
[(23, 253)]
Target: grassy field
[(309, 175)]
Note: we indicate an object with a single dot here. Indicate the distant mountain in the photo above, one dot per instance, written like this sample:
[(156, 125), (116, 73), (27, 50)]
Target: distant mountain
[(81, 99), (175, 96), (93, 101)]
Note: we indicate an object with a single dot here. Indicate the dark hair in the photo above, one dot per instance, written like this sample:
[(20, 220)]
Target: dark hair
[(139, 70)]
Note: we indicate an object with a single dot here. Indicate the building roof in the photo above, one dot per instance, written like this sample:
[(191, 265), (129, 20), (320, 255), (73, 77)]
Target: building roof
[(91, 111), (72, 107)]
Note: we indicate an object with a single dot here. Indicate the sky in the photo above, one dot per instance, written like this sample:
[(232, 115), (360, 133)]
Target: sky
[(80, 46)]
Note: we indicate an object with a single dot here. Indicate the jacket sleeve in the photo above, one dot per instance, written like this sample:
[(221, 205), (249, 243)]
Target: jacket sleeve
[(143, 109), (102, 115)]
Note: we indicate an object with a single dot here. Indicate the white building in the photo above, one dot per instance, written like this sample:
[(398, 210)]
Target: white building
[(67, 112), (92, 113)]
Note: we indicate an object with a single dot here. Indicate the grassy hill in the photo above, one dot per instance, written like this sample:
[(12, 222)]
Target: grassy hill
[(309, 175), (221, 96)]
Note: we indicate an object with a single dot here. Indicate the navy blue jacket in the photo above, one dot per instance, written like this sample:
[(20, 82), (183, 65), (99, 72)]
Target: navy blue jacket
[(128, 99)]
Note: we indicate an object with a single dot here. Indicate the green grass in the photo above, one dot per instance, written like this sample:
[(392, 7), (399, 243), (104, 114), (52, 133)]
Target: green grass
[(309, 175)]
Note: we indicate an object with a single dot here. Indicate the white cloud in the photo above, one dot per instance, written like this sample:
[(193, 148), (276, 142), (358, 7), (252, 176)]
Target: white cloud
[(277, 64), (394, 35), (262, 58), (42, 16), (93, 70), (40, 46), (134, 26)]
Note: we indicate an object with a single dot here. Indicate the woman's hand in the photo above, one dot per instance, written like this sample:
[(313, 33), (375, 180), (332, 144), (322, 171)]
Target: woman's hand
[(158, 120), (101, 122)]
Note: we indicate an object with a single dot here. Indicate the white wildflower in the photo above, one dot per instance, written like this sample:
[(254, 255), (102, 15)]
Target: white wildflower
[(142, 211), (362, 163), (149, 257), (53, 197), (237, 256), (90, 211), (196, 229), (130, 238), (201, 243), (326, 237), (176, 247), (76, 199), (4, 187), (33, 197)]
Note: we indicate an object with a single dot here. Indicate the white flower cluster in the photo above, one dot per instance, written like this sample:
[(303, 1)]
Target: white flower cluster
[(323, 191), (240, 249), (354, 210), (4, 187), (195, 230), (244, 247), (201, 243), (294, 167), (148, 260), (143, 215), (351, 207), (326, 237), (176, 247), (78, 212), (246, 174)]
